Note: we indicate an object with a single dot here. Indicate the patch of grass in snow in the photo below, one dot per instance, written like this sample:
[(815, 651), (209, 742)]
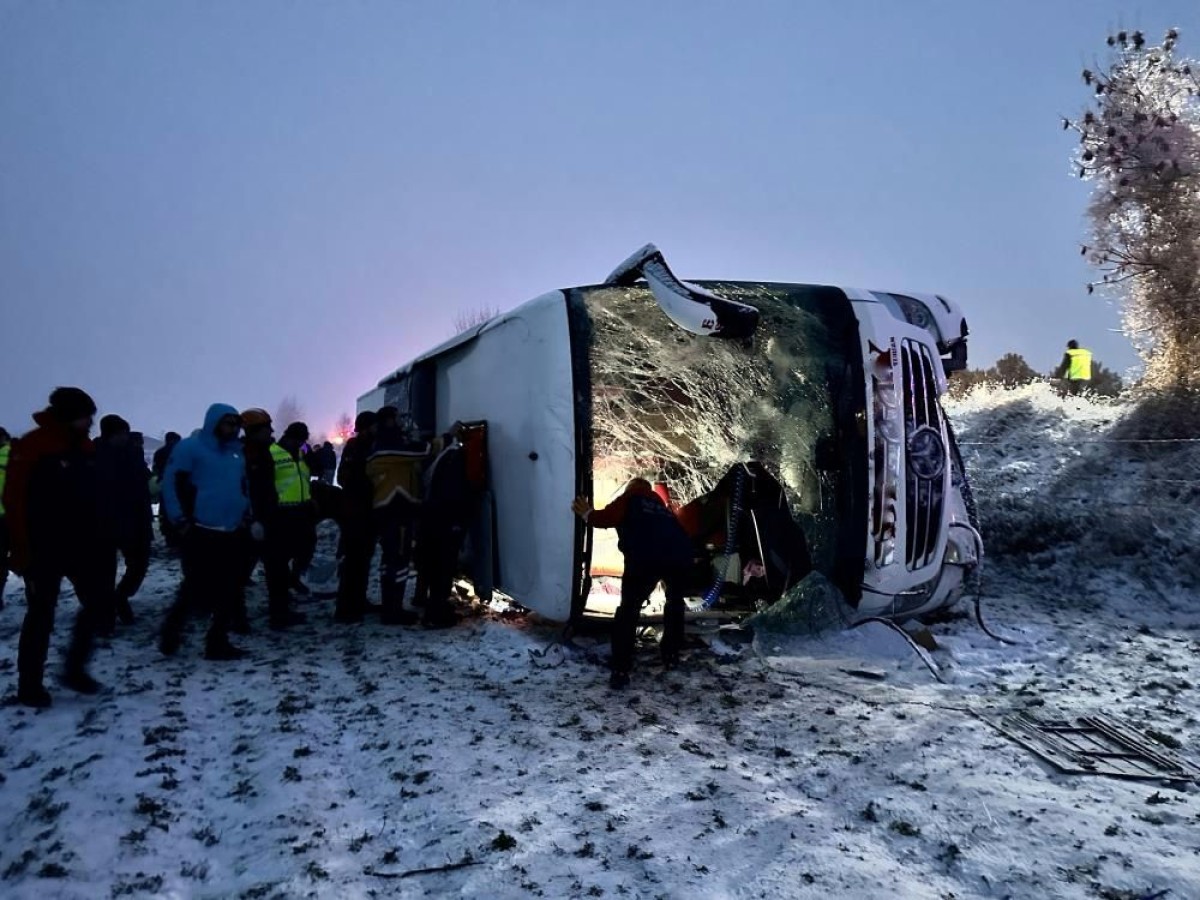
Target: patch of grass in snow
[(1165, 739), (194, 871), (42, 808), (361, 841), (906, 829), (155, 810), (503, 841), (135, 836), (28, 761), (164, 752), (141, 883), (206, 836), (158, 734), (244, 788), (20, 864)]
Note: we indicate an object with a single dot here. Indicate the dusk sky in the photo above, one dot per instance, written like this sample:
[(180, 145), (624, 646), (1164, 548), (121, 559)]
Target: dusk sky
[(240, 201)]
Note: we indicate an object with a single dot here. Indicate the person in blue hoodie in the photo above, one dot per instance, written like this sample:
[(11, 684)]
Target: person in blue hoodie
[(205, 495)]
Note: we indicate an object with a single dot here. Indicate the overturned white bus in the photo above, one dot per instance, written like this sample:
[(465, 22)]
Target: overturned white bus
[(793, 426)]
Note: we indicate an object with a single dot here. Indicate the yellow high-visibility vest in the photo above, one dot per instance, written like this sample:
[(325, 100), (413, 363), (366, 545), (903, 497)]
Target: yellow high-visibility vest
[(291, 478), (4, 452), (1081, 365)]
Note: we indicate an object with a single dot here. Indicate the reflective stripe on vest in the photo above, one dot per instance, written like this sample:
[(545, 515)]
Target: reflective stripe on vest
[(291, 477), (1081, 365), (4, 452)]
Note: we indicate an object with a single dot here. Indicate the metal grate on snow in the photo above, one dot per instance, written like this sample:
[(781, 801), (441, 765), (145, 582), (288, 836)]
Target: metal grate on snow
[(1096, 745)]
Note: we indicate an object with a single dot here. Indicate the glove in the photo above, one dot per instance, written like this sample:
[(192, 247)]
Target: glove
[(257, 532)]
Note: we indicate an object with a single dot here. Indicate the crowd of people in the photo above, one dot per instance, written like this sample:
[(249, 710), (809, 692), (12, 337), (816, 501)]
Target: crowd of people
[(230, 496)]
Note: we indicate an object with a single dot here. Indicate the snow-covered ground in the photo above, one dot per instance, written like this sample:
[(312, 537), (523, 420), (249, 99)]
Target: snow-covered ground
[(336, 759)]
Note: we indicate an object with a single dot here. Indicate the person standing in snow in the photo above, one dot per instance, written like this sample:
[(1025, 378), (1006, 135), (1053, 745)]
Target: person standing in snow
[(53, 516), (5, 451), (290, 525), (356, 545), (159, 467), (204, 490), (446, 513), (656, 548), (395, 468), (124, 489), (329, 463), (1075, 368)]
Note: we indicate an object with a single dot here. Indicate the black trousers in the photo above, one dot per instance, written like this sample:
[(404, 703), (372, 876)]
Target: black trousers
[(287, 553), (214, 570), (637, 583), (356, 547), (42, 587), (396, 526), (437, 559)]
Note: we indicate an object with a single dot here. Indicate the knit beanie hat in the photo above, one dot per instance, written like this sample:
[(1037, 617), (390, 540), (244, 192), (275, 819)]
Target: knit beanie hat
[(297, 431), (112, 425), (70, 403)]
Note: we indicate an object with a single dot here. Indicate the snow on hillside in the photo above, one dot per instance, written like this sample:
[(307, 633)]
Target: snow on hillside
[(336, 760)]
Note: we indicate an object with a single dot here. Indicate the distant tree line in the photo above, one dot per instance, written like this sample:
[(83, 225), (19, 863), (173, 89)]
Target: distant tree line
[(1011, 371)]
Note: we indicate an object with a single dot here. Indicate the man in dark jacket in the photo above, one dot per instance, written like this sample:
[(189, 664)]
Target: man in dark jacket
[(356, 546), (53, 517), (124, 491), (446, 514), (204, 491), (397, 463), (656, 548), (159, 467), (329, 463)]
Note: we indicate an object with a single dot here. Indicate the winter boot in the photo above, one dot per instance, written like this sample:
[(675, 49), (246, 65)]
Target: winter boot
[(124, 610), (223, 651), (33, 695), (392, 611), (80, 681)]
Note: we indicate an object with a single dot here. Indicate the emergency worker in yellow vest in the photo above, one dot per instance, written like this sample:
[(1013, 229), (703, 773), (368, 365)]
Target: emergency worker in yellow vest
[(291, 528), (5, 450), (395, 468), (1075, 368)]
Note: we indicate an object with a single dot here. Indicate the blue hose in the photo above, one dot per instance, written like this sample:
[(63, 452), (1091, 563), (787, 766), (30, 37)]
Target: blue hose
[(713, 594)]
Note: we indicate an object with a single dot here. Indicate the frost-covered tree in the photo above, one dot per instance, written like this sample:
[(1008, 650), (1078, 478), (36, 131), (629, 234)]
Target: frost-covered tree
[(288, 411), (469, 318), (1140, 146), (1011, 370), (1105, 382)]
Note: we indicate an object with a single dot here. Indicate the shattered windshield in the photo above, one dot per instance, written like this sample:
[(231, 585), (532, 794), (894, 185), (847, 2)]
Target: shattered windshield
[(682, 409)]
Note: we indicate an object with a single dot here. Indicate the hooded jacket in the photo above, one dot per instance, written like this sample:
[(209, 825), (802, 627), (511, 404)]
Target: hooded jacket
[(124, 492), (215, 472), (50, 497)]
